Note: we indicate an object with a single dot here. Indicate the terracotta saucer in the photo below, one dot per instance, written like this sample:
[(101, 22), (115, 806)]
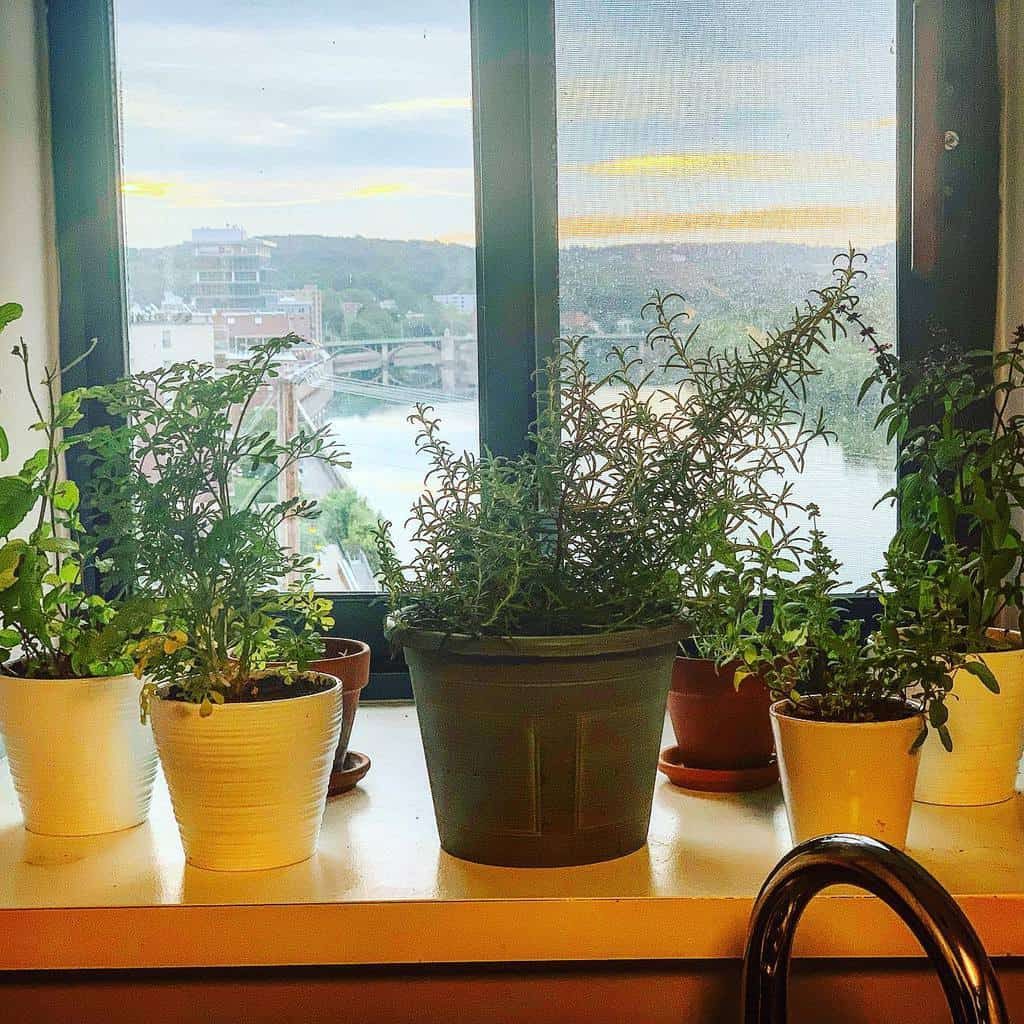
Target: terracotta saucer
[(716, 780), (355, 766)]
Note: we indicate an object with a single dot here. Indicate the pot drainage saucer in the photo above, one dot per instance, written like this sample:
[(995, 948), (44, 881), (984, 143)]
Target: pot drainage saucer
[(716, 780), (354, 767)]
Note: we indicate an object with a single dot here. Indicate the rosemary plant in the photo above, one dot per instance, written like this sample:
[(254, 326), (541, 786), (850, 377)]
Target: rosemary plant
[(604, 523)]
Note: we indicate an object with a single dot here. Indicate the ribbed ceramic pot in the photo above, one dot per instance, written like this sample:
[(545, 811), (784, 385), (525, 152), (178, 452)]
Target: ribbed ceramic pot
[(847, 777), (249, 781), (82, 761), (987, 731), (541, 751)]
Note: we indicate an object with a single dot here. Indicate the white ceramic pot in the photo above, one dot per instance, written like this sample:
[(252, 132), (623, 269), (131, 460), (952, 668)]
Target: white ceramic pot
[(249, 781), (987, 730), (840, 777), (81, 760)]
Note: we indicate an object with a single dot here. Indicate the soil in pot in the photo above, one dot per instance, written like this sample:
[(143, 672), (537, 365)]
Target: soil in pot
[(541, 751), (249, 781), (848, 776), (720, 727)]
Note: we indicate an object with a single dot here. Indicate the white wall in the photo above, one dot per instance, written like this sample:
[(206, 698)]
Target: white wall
[(1011, 242), (28, 271)]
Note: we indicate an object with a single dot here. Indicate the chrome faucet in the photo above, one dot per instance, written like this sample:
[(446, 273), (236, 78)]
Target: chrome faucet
[(953, 946)]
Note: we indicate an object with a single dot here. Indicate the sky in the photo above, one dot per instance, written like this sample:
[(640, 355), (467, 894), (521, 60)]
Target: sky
[(677, 119)]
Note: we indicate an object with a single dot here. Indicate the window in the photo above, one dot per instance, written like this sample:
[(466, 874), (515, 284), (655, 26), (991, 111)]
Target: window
[(664, 112), (727, 153), (244, 182)]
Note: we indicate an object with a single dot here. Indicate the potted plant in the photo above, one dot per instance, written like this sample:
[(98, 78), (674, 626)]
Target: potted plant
[(246, 734), (541, 611), (953, 582), (852, 714), (719, 714), (718, 703), (349, 662), (82, 763)]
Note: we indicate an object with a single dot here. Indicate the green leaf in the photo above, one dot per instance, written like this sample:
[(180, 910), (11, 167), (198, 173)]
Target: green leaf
[(9, 638), (16, 501), (5, 445), (9, 312), (57, 545), (10, 558), (978, 668), (65, 495), (34, 464)]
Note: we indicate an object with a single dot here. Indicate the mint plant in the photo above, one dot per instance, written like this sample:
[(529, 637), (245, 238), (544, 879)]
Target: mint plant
[(192, 479), (955, 567), (57, 627)]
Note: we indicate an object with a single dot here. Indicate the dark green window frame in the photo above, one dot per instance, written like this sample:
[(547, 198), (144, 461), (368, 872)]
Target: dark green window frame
[(948, 202)]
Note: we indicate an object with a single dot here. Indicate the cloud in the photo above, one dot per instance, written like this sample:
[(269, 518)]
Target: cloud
[(745, 166), (233, 194), (422, 104), (865, 225)]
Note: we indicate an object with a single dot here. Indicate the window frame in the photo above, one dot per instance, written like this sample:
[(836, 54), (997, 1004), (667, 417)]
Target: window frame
[(947, 202)]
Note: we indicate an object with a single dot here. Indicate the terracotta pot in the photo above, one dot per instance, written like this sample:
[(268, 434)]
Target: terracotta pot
[(987, 730), (349, 661), (541, 751), (249, 781), (718, 726), (847, 777), (82, 761)]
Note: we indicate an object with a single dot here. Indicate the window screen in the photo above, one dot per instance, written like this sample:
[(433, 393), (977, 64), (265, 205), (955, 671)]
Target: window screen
[(727, 150)]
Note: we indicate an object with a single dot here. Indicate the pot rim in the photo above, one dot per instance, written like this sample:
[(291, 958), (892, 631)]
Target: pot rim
[(362, 648), (64, 680), (162, 701), (562, 645), (777, 712)]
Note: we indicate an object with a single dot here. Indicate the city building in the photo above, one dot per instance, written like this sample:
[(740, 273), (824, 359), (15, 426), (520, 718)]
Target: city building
[(161, 341), (464, 302), (303, 302), (232, 270), (235, 331)]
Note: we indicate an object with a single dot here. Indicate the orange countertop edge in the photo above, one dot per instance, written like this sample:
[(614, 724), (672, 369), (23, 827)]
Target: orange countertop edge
[(380, 890)]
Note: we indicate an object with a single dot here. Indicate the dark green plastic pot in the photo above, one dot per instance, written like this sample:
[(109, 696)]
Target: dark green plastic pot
[(541, 751)]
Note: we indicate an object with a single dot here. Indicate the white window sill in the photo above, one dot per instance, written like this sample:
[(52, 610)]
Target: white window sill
[(380, 891)]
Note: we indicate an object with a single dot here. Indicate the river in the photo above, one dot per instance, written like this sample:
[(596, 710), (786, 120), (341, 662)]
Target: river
[(388, 473)]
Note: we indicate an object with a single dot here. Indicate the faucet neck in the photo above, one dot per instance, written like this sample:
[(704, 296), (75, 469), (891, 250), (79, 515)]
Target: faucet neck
[(948, 938)]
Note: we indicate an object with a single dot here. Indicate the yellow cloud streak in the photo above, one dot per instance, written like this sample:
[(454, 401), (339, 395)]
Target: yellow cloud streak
[(864, 224), (269, 194), (748, 166)]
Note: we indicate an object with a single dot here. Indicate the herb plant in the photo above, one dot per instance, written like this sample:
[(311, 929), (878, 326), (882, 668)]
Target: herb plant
[(817, 657), (59, 628), (954, 568), (599, 525), (200, 519)]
